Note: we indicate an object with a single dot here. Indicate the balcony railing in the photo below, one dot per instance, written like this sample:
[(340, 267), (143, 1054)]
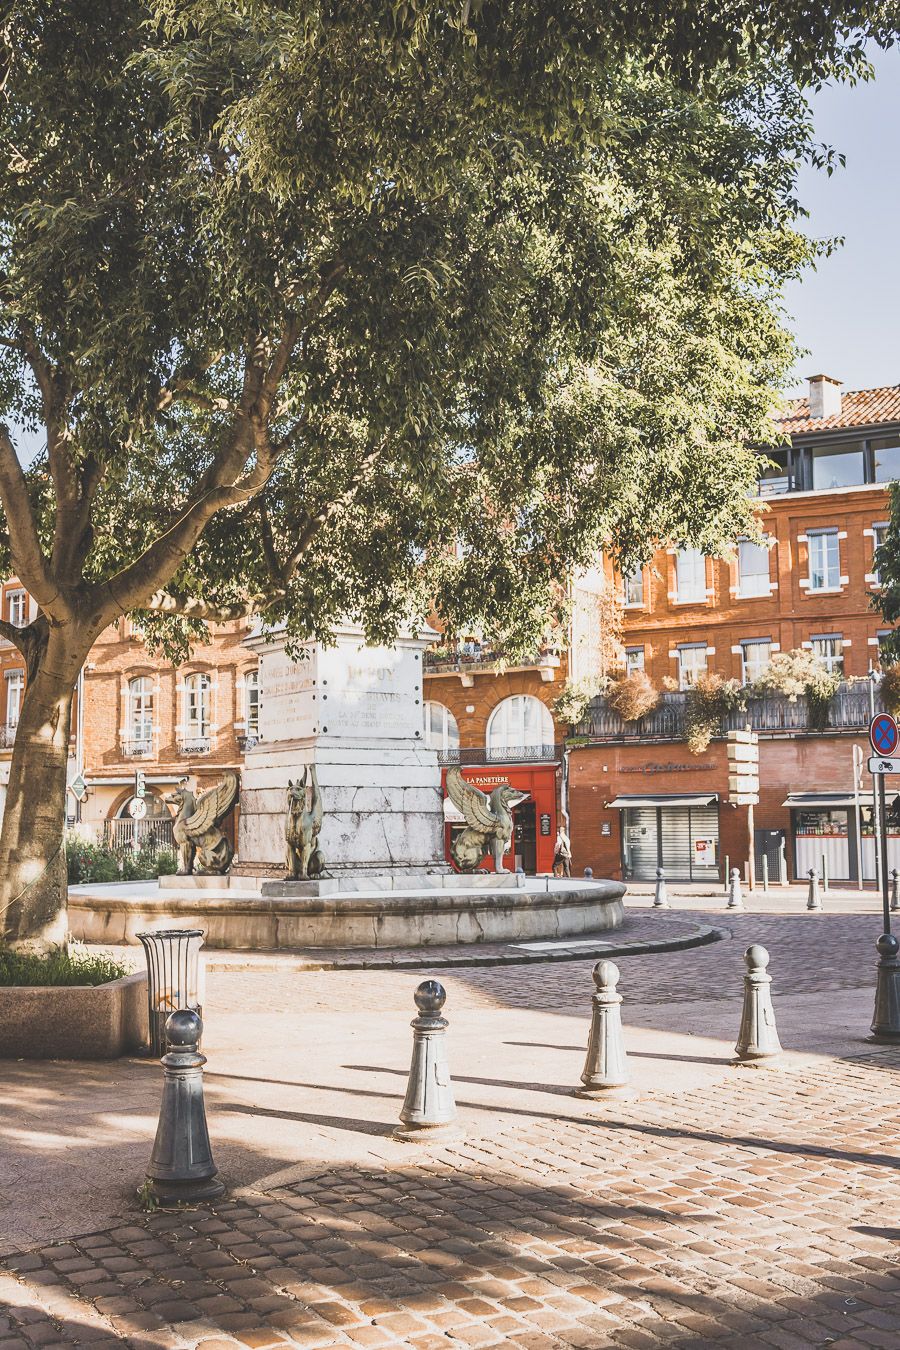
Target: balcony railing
[(194, 745), (478, 656), (514, 754), (7, 736), (774, 715), (137, 747)]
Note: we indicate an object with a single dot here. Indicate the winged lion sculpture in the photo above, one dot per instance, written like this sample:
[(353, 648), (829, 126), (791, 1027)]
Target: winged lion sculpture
[(202, 847), (488, 821), (302, 826)]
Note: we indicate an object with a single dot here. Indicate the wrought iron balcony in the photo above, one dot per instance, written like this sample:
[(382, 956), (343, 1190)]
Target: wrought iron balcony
[(475, 656), (194, 745), (7, 736), (774, 715), (514, 754), (138, 747)]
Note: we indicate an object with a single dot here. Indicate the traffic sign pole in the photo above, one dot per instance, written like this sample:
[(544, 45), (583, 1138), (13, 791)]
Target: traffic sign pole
[(885, 884)]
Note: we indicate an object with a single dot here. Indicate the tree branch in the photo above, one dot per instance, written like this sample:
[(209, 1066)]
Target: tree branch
[(14, 635), (28, 559), (167, 602)]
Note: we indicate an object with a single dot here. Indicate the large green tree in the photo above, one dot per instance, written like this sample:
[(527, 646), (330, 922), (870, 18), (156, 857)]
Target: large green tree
[(302, 293)]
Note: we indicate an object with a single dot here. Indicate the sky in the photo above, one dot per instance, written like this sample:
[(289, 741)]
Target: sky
[(847, 312)]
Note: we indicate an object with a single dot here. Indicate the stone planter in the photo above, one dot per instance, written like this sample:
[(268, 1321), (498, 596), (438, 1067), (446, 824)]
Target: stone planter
[(74, 1021)]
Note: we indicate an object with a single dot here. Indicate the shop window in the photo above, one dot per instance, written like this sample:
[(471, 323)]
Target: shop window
[(633, 585), (15, 687), (140, 710), (886, 459), (441, 729), (690, 576), (634, 660), (691, 664), (823, 821), (837, 466), (251, 703), (829, 648), (756, 653), (17, 608), (753, 568), (879, 534), (521, 724), (824, 560)]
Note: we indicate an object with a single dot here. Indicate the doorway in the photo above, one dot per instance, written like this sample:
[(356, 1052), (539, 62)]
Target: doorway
[(525, 837)]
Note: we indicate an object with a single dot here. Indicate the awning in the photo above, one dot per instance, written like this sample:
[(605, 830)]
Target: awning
[(698, 799), (822, 801)]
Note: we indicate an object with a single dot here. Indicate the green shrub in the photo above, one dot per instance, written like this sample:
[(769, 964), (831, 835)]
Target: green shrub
[(58, 967), (89, 862), (571, 705)]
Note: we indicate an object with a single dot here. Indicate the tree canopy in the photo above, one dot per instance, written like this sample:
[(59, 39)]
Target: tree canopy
[(335, 308)]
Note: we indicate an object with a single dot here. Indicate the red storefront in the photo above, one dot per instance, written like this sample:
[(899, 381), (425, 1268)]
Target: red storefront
[(534, 821)]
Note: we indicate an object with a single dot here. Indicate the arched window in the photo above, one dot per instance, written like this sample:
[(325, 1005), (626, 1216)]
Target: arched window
[(441, 730), (139, 732), (196, 718), (251, 703), (521, 724)]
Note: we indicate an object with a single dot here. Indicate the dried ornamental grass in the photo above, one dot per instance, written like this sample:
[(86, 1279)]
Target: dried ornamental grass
[(632, 696)]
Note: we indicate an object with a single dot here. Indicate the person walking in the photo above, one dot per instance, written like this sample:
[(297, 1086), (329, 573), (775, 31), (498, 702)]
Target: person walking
[(562, 854)]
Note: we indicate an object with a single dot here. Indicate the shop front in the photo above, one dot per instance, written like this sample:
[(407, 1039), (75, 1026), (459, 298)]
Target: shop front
[(830, 834), (535, 820), (677, 833)]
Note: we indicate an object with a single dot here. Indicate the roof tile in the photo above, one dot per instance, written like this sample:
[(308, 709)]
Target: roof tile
[(859, 408)]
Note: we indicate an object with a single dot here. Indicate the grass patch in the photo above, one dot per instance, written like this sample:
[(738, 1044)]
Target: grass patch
[(58, 967)]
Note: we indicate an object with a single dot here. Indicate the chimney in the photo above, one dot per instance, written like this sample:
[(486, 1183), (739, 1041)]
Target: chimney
[(824, 396)]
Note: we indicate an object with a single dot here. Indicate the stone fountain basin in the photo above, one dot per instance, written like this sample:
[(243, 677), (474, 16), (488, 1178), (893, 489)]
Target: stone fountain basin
[(240, 913)]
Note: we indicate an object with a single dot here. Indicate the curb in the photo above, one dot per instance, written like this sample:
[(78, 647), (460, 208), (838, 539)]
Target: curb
[(698, 935)]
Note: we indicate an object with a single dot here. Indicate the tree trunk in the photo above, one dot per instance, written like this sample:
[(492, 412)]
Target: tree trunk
[(33, 888)]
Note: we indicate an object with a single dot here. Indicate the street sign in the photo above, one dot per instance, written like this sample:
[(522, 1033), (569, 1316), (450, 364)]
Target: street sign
[(78, 788), (877, 764), (884, 735), (137, 808), (140, 783)]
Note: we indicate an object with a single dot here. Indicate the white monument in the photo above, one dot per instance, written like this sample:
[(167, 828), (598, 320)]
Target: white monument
[(357, 713)]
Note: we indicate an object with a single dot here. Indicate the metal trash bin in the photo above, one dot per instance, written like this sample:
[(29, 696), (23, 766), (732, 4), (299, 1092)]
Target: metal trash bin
[(173, 978)]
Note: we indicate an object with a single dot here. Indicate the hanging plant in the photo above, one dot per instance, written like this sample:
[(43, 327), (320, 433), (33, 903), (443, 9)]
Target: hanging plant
[(632, 696), (708, 701), (802, 672), (572, 704)]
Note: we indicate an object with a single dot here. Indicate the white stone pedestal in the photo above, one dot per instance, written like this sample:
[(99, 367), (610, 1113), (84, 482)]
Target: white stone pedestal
[(356, 713)]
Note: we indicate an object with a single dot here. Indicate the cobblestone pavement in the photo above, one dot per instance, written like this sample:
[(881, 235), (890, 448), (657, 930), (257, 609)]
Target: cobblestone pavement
[(759, 1210)]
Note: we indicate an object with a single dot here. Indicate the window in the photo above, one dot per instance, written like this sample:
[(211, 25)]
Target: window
[(886, 458), (829, 648), (196, 707), (879, 534), (251, 703), (691, 663), (441, 729), (17, 606), (756, 653), (753, 568), (881, 636), (824, 560), (634, 588), (140, 709), (15, 685), (519, 723), (690, 575), (835, 466), (775, 477), (634, 660)]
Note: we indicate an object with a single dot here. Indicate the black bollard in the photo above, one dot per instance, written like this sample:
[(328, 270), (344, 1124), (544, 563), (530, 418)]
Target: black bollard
[(429, 1111), (758, 1036), (181, 1169), (886, 1021)]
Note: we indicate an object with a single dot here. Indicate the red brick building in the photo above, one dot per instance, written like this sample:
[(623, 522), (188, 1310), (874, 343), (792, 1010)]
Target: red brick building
[(638, 798)]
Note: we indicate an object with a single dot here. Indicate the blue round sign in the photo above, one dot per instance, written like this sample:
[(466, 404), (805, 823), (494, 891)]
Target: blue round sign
[(883, 734)]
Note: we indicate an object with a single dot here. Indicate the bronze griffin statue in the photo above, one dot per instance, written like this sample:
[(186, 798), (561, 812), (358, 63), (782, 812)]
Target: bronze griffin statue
[(202, 847), (302, 826), (488, 821)]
